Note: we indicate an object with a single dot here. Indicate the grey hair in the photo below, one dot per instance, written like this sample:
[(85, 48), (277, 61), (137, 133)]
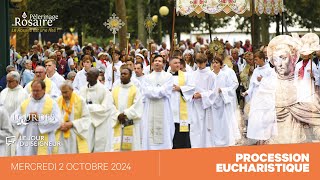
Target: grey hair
[(15, 75), (45, 70), (67, 83), (71, 74), (9, 67)]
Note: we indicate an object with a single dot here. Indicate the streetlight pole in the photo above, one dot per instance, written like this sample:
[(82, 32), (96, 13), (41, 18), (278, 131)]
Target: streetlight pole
[(4, 36)]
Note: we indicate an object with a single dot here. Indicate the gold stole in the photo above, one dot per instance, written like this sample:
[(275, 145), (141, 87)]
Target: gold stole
[(47, 109), (76, 101), (183, 105), (48, 83), (128, 130)]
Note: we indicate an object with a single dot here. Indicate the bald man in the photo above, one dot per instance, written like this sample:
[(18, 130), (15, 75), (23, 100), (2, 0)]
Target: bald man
[(102, 111)]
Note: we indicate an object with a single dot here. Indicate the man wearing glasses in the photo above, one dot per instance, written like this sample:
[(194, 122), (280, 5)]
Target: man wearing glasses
[(51, 87)]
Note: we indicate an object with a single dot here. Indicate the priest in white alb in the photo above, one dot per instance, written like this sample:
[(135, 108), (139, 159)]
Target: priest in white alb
[(182, 93), (157, 119), (102, 112), (73, 132), (37, 119), (128, 101), (11, 98)]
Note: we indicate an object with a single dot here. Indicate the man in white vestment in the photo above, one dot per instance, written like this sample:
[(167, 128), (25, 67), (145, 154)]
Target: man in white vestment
[(128, 101), (102, 112), (262, 124), (134, 80), (36, 120), (157, 119), (73, 132), (51, 88), (182, 93), (201, 103), (52, 74), (11, 98), (5, 132)]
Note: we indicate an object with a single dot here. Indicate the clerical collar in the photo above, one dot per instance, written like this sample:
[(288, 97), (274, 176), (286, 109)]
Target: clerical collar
[(126, 85), (89, 86), (174, 73)]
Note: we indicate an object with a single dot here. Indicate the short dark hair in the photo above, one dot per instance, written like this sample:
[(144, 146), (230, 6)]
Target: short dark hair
[(126, 67), (259, 54), (69, 52), (140, 64), (217, 58), (43, 85), (201, 58), (163, 60)]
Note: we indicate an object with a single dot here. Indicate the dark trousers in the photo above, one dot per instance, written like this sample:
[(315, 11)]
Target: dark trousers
[(181, 139)]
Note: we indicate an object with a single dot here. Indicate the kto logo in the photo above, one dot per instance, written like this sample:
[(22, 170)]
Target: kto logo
[(34, 20)]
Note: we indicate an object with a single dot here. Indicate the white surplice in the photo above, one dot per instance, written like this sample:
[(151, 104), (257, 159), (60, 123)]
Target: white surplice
[(134, 112), (157, 89), (201, 108), (79, 81), (46, 124), (57, 79), (262, 122), (80, 127), (102, 112), (221, 129), (235, 111)]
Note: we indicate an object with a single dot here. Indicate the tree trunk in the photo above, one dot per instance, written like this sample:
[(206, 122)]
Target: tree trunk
[(255, 31), (122, 13), (278, 25), (265, 29), (22, 37), (141, 29)]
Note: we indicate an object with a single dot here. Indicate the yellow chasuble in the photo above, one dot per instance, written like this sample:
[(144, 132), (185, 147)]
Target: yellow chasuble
[(128, 130), (47, 109), (48, 83), (75, 101), (183, 105)]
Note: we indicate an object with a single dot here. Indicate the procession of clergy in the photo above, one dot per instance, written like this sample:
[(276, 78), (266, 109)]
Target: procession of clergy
[(184, 107)]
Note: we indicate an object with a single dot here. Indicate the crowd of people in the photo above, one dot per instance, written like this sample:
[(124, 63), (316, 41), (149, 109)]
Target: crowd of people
[(60, 99)]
